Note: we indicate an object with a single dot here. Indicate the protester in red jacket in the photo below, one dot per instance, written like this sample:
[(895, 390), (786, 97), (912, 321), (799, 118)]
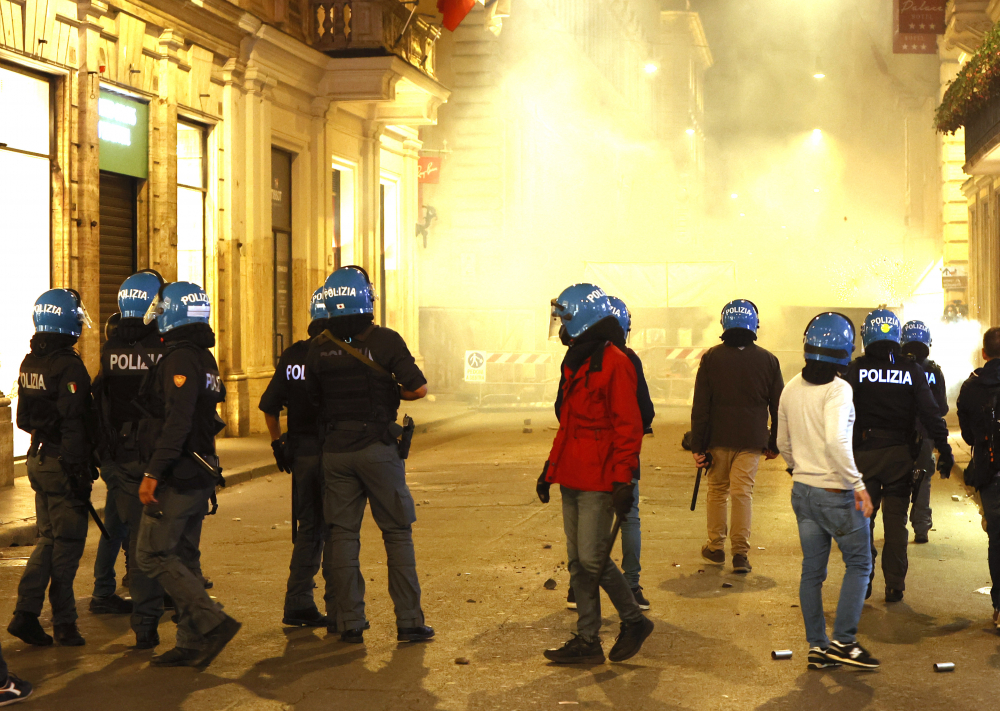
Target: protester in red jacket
[(593, 459)]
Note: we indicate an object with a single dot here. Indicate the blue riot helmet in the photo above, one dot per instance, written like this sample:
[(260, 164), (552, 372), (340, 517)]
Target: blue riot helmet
[(347, 291), (916, 332), (740, 313), (179, 303), (317, 306), (829, 338), (60, 311), (578, 308), (138, 292), (621, 312), (880, 325)]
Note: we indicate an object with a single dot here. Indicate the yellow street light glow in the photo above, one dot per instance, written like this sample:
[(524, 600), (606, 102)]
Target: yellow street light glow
[(651, 68), (743, 214), (690, 132), (734, 196), (819, 75), (815, 190)]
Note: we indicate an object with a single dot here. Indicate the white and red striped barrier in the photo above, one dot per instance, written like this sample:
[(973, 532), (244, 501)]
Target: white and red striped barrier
[(519, 358), (685, 353)]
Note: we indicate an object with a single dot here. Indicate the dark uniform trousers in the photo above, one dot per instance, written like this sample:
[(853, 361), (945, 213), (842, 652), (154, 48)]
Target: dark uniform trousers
[(920, 511), (311, 534), (888, 476), (165, 553), (374, 475), (146, 593), (62, 529)]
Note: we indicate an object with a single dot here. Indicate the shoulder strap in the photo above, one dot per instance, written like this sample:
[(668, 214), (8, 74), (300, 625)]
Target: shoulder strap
[(355, 353)]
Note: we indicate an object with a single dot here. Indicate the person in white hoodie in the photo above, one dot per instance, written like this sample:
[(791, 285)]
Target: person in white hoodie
[(815, 428)]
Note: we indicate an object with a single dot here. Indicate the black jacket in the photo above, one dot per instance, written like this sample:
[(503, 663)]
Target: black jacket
[(735, 391), (976, 393), (287, 389)]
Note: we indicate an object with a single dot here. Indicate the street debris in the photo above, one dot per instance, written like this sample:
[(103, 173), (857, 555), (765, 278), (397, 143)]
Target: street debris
[(546, 546), (727, 585), (985, 591), (781, 654), (944, 667), (549, 584), (237, 519), (956, 497), (472, 601), (462, 660)]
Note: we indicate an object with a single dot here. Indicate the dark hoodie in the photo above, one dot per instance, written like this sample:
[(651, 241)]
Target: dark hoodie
[(975, 395)]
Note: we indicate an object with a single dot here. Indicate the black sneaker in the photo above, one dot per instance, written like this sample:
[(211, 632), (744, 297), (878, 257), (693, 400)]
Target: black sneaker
[(176, 657), (110, 605), (818, 659), (414, 634), (893, 595), (741, 564), (571, 599), (577, 651), (217, 639), (630, 639), (713, 556), (853, 655), (25, 627), (147, 639), (305, 618), (920, 537), (15, 690), (640, 599), (67, 635)]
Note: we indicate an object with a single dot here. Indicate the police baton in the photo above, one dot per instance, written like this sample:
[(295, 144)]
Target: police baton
[(98, 521), (697, 480)]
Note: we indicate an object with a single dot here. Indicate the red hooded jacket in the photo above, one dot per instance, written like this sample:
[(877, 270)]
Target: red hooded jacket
[(600, 427)]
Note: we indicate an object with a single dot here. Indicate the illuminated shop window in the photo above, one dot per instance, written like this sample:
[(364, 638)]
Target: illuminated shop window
[(191, 190)]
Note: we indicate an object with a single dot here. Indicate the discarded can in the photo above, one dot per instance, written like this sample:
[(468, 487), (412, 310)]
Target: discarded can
[(944, 667), (781, 654)]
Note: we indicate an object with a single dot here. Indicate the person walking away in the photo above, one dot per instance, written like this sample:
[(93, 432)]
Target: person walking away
[(357, 373), (54, 404), (736, 390), (978, 414), (298, 452), (815, 430), (594, 459), (916, 344), (176, 443), (891, 395)]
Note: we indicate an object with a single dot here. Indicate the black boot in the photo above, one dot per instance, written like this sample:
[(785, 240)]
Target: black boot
[(147, 639), (577, 651), (110, 605), (305, 618), (176, 657), (414, 634), (217, 639), (25, 627), (67, 635)]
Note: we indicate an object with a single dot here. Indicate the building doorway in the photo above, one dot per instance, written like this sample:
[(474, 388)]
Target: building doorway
[(117, 240), (281, 227)]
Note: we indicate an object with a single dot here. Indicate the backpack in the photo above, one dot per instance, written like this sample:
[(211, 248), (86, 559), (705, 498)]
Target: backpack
[(986, 461)]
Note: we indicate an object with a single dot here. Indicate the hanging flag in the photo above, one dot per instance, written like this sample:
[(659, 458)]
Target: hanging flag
[(454, 11)]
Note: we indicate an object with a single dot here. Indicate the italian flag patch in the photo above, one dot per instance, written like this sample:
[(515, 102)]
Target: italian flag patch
[(72, 388)]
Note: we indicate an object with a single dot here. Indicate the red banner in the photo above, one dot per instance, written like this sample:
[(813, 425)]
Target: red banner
[(428, 169), (916, 24)]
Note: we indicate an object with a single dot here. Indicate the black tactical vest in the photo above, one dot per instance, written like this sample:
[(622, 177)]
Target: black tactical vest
[(124, 365)]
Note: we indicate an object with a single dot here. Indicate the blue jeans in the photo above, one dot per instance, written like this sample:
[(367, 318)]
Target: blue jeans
[(824, 515), (107, 549), (632, 542)]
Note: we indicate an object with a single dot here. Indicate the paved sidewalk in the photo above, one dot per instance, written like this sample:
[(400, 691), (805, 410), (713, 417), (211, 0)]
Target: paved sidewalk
[(242, 458)]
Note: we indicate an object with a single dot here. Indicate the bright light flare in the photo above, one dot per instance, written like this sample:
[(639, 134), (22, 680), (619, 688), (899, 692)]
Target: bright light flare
[(651, 68), (817, 137), (819, 75), (734, 196), (690, 132)]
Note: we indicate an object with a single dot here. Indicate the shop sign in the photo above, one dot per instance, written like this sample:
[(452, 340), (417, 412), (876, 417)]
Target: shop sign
[(954, 278), (916, 25), (475, 367), (429, 169), (123, 134)]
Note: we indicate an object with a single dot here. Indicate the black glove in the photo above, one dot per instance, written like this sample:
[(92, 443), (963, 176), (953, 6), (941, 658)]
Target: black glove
[(621, 498), (542, 486), (280, 455), (946, 460), (80, 482)]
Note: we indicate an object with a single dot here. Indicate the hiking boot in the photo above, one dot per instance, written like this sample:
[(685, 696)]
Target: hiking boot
[(640, 599), (14, 690), (25, 627), (713, 556), (818, 659), (110, 605), (414, 634), (308, 617), (176, 657), (577, 651), (853, 655), (920, 537), (571, 599), (217, 639), (893, 595), (741, 564), (67, 635), (630, 639), (147, 639)]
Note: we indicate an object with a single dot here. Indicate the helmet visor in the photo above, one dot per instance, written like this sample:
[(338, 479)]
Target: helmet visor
[(153, 311), (84, 316), (556, 323)]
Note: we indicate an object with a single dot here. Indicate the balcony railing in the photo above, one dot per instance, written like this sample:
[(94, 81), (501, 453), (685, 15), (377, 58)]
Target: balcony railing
[(367, 28), (982, 132)]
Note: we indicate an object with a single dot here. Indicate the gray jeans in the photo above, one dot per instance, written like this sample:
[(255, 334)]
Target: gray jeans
[(62, 529), (587, 520), (146, 593), (310, 537), (164, 553), (374, 475)]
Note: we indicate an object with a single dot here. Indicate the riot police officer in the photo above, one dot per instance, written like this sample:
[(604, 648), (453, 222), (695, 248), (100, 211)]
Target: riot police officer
[(357, 373), (298, 451), (177, 448), (890, 395), (132, 349), (916, 343), (54, 404)]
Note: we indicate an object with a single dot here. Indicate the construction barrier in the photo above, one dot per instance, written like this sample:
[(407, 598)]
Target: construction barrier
[(512, 378)]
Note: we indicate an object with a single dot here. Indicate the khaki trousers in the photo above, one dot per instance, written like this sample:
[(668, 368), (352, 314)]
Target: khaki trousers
[(732, 474)]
